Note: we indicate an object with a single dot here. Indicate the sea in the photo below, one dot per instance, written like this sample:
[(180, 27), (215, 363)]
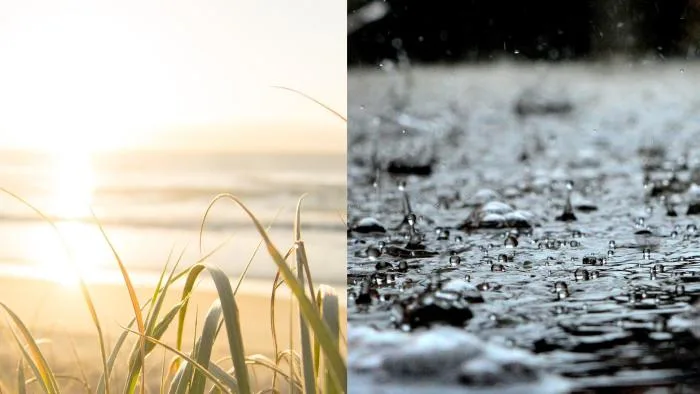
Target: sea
[(151, 205)]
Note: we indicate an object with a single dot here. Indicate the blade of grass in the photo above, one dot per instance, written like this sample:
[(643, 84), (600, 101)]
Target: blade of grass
[(337, 365), (205, 344), (302, 268), (132, 296), (83, 285), (35, 358), (330, 312), (231, 319), (331, 110), (189, 359), (21, 383)]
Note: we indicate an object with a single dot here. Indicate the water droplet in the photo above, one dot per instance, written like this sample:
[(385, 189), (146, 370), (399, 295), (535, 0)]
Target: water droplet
[(468, 278), (502, 258), (574, 244), (595, 274), (403, 266), (611, 253), (569, 185), (402, 185), (510, 242), (561, 286), (455, 261), (576, 234), (497, 267), (383, 265), (581, 274), (373, 252), (691, 229), (639, 222), (674, 234), (459, 239), (646, 254), (411, 219), (611, 244), (443, 235), (658, 268), (679, 290)]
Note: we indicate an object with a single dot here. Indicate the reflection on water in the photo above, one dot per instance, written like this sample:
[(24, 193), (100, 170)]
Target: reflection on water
[(79, 249), (152, 202)]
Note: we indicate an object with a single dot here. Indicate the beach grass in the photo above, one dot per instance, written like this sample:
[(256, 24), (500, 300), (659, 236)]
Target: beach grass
[(314, 365)]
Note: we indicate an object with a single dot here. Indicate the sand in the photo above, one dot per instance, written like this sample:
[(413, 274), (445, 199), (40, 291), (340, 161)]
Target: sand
[(59, 313)]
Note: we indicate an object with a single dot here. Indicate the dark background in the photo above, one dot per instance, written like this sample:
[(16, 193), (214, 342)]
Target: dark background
[(552, 30)]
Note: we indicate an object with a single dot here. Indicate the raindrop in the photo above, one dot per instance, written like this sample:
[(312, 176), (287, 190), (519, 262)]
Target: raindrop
[(403, 266), (611, 244), (459, 239), (443, 235), (455, 261), (611, 253), (468, 278), (383, 266), (658, 268), (502, 258), (497, 267), (510, 242), (373, 252), (679, 290), (581, 274), (691, 229), (646, 254), (574, 244)]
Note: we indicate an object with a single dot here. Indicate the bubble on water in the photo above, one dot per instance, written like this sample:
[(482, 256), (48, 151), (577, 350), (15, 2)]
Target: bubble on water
[(502, 258), (402, 266), (498, 267), (510, 242), (674, 234), (484, 286), (468, 278), (581, 274), (411, 219), (639, 222), (527, 264), (595, 274), (679, 290), (459, 239), (438, 230), (611, 253), (574, 244), (569, 185), (611, 244), (383, 266), (658, 268), (561, 287), (402, 185), (691, 229), (443, 235), (576, 234), (646, 254), (455, 261), (373, 252)]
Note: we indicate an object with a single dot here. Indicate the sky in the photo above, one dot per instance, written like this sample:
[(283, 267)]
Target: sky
[(180, 74)]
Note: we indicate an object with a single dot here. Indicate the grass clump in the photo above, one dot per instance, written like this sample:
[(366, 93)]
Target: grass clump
[(316, 365)]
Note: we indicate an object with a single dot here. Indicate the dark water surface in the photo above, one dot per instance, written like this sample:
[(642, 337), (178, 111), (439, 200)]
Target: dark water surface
[(594, 297)]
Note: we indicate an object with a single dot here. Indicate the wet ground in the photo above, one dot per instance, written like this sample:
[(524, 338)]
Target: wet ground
[(524, 229)]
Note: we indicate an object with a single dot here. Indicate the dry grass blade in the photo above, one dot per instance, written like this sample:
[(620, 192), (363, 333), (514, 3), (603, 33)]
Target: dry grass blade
[(334, 112), (205, 344), (134, 303), (33, 355), (21, 383), (81, 281)]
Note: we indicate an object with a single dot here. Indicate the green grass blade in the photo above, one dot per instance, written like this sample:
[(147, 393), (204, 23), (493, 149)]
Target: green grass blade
[(311, 314), (21, 382), (330, 311), (34, 356), (189, 359), (205, 344), (302, 268)]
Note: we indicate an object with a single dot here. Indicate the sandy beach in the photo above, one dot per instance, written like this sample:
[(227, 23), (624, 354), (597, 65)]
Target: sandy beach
[(59, 313)]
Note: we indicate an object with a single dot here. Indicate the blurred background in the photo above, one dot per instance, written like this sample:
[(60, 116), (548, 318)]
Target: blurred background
[(450, 31)]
